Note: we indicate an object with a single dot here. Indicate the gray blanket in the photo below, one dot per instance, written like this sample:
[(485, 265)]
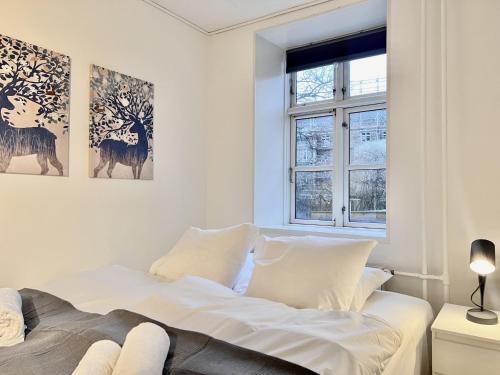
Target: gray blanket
[(58, 335)]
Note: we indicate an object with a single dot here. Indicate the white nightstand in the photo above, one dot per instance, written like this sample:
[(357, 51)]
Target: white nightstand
[(460, 347)]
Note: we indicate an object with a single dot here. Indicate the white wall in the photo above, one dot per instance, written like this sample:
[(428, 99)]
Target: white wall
[(53, 225), (473, 139), (231, 122), (269, 118), (441, 190)]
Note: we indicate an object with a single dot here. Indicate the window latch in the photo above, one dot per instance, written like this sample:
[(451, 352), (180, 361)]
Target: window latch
[(344, 125), (343, 209), (292, 92), (290, 175), (343, 92)]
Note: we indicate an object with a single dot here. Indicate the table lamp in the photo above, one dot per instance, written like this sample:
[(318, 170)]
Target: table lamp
[(482, 261)]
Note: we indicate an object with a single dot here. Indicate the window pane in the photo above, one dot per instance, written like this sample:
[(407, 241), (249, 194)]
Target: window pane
[(367, 137), (313, 195), (314, 141), (368, 75), (367, 196), (315, 84)]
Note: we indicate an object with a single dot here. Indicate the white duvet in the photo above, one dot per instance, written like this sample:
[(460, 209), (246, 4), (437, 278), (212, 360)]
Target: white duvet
[(325, 342)]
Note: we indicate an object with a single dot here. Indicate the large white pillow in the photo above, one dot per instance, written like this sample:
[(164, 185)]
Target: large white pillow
[(215, 254), (309, 272), (371, 279)]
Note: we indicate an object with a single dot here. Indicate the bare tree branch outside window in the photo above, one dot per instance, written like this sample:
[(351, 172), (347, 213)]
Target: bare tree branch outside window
[(315, 84)]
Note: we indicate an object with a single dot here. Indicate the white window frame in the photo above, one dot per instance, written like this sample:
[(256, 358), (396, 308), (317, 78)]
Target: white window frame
[(340, 107), (293, 168), (348, 167)]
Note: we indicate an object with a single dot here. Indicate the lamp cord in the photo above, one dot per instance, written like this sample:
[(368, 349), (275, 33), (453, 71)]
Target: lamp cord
[(472, 295)]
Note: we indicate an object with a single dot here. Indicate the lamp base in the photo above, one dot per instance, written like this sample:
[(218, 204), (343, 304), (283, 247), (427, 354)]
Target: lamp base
[(482, 317)]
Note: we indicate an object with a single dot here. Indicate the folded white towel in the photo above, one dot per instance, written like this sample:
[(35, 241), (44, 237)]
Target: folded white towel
[(100, 359), (11, 317), (144, 351)]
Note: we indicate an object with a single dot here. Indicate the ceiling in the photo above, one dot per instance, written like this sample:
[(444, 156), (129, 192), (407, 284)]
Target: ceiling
[(364, 15), (212, 16)]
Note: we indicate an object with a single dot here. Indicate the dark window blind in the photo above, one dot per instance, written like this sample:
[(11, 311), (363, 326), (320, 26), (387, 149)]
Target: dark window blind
[(364, 44)]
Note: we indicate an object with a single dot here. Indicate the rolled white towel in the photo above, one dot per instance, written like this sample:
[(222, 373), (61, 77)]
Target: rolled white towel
[(144, 351), (100, 359), (11, 317)]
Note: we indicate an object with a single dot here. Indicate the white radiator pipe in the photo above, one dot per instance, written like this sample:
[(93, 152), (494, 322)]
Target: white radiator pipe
[(423, 140), (420, 276), (444, 147)]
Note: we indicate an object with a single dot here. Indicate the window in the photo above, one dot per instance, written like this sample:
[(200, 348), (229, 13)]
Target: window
[(314, 166), (314, 85), (367, 76), (338, 130)]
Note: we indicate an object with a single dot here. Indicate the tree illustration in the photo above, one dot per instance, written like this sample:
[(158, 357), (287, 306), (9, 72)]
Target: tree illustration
[(117, 102), (33, 75)]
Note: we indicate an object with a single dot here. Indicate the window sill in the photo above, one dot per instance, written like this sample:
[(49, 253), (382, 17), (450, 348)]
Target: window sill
[(303, 229)]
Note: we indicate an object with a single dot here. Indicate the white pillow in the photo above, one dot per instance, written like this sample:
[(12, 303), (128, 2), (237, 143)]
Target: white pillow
[(371, 279), (309, 272), (215, 254)]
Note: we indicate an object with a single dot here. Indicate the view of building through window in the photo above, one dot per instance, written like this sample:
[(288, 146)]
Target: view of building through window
[(367, 133), (346, 187), (315, 141), (368, 75), (314, 148), (367, 149)]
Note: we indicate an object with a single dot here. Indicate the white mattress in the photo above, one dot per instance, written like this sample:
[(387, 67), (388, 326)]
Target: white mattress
[(413, 317), (113, 287)]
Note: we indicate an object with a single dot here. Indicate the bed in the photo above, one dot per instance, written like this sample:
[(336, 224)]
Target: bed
[(267, 327), (58, 336)]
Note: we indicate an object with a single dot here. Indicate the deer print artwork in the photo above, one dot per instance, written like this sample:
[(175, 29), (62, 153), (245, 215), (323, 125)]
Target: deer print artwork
[(121, 125), (34, 109)]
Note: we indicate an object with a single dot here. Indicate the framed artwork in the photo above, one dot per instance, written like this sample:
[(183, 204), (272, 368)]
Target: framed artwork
[(121, 125), (34, 109)]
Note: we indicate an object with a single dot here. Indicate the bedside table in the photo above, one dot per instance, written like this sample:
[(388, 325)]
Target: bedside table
[(460, 347)]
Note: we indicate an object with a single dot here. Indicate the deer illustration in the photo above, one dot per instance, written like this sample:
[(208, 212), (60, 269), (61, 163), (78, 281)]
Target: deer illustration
[(133, 155), (26, 141)]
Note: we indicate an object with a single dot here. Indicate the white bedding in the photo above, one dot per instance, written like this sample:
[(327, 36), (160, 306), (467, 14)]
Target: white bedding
[(413, 317), (326, 342)]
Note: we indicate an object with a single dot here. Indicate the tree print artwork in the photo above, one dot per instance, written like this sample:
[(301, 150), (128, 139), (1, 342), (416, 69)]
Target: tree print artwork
[(121, 125), (34, 109)]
